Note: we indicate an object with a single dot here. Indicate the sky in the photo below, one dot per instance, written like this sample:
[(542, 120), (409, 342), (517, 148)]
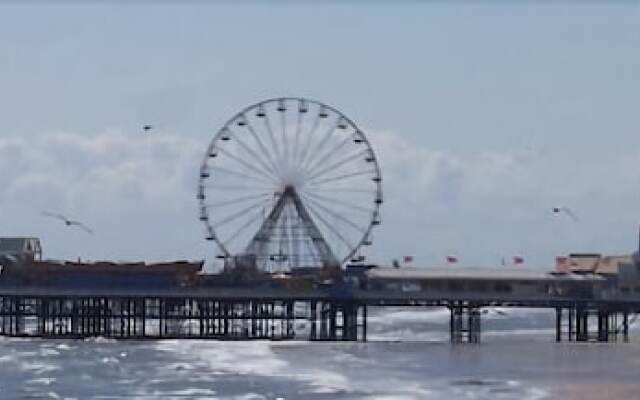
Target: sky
[(484, 117)]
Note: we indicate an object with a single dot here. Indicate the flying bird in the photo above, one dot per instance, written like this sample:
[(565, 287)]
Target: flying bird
[(147, 128), (565, 210), (68, 222)]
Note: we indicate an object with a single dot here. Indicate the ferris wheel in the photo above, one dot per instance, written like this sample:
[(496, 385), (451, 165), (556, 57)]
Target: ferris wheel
[(292, 183)]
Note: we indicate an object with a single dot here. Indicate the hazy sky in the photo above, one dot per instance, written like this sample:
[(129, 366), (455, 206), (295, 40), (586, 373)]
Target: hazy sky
[(484, 117)]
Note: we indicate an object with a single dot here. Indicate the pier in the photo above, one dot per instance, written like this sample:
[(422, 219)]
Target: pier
[(179, 302), (176, 316)]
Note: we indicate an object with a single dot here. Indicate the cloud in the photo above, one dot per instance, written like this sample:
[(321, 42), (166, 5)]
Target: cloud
[(443, 179), (90, 167), (490, 204), (120, 183)]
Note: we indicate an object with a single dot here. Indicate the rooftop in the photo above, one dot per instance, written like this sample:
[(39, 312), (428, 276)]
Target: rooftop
[(180, 266), (476, 273)]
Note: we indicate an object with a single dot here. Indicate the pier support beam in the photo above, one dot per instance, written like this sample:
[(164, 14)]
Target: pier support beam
[(558, 324), (610, 323), (603, 326), (582, 324), (364, 323), (464, 325), (340, 319), (343, 320), (625, 326), (313, 320)]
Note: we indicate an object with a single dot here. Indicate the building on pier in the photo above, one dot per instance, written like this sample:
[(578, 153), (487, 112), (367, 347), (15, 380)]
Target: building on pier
[(483, 282), (592, 263), (621, 271), (20, 248)]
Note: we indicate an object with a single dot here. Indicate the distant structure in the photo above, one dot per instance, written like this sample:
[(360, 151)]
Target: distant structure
[(623, 270), (592, 263), (20, 248)]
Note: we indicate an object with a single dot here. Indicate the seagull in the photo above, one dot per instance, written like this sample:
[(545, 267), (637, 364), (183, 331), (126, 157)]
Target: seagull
[(571, 214), (68, 222), (147, 128)]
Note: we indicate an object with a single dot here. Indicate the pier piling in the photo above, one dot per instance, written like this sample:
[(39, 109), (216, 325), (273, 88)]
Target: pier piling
[(464, 325)]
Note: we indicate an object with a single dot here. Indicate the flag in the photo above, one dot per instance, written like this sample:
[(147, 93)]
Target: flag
[(407, 259), (452, 259), (517, 260)]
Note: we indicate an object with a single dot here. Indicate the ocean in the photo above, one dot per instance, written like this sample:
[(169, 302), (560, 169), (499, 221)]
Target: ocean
[(408, 356)]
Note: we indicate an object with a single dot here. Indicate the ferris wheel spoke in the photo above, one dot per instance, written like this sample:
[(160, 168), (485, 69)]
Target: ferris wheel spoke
[(283, 123), (255, 218), (312, 252), (296, 142), (255, 155), (284, 237), (340, 202), (330, 154), (352, 157), (273, 166), (334, 241), (238, 174), (249, 166), (335, 214), (329, 226), (308, 140), (295, 243), (235, 187), (339, 190), (320, 146), (240, 213), (276, 148), (237, 200), (340, 177)]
